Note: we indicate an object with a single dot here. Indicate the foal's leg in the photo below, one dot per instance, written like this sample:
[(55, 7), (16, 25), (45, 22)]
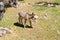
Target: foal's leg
[(21, 20), (30, 23), (25, 23)]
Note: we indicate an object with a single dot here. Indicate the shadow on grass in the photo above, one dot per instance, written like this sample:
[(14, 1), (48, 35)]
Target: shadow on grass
[(21, 25)]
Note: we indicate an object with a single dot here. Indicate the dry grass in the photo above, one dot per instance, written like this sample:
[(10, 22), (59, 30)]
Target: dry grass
[(32, 1)]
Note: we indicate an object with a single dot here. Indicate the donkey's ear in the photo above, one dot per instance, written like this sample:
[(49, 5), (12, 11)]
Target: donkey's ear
[(18, 13), (27, 12), (33, 13)]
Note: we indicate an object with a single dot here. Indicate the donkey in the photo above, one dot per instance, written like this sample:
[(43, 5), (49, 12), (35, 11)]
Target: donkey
[(26, 16), (2, 10)]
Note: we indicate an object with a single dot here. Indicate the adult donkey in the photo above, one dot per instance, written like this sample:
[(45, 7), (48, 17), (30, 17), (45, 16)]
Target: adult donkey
[(2, 10), (26, 16)]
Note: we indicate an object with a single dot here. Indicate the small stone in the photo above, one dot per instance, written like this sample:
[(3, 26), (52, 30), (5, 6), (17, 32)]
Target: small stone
[(45, 17), (58, 31)]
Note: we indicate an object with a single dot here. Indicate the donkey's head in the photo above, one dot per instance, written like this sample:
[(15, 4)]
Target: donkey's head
[(35, 17)]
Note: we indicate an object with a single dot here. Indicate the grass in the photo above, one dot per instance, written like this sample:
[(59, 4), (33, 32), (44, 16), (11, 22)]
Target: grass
[(45, 29), (41, 8), (58, 1)]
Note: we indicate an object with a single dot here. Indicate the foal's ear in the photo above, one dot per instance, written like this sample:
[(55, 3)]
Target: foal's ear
[(33, 13), (27, 12), (19, 13)]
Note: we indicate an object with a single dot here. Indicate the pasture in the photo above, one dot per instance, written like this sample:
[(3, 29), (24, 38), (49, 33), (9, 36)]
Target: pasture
[(47, 27)]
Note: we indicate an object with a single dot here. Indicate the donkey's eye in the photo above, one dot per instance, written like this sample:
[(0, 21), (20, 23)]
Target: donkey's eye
[(34, 18)]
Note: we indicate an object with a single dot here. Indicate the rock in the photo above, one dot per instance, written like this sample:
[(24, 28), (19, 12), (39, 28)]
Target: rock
[(4, 30), (1, 28), (8, 30), (1, 33)]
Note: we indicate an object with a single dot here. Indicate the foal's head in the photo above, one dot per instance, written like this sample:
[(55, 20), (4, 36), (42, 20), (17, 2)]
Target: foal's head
[(35, 17)]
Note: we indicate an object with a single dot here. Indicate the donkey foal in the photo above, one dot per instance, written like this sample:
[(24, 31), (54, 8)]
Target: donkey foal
[(26, 16)]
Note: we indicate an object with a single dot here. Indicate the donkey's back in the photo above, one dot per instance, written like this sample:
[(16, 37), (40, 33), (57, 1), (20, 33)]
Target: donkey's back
[(24, 14)]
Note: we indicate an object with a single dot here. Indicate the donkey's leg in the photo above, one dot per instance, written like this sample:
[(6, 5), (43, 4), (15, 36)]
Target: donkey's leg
[(30, 23), (21, 20), (25, 23)]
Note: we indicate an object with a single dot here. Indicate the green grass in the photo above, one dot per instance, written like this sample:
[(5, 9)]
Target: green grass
[(58, 1), (41, 8), (54, 9)]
